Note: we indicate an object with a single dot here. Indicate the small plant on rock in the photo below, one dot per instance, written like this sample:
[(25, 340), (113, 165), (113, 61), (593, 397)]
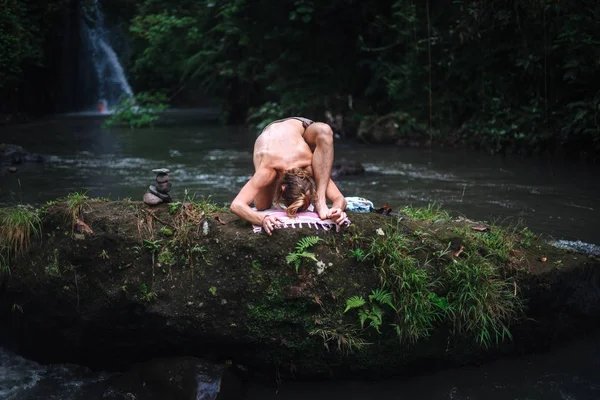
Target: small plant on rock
[(76, 202), (301, 251), (373, 310), (358, 254), (147, 295)]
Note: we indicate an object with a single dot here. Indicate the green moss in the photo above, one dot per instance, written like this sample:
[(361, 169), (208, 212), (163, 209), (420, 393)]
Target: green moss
[(290, 321)]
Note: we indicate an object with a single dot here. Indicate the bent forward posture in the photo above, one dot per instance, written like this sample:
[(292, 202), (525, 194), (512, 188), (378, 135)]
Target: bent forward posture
[(286, 155)]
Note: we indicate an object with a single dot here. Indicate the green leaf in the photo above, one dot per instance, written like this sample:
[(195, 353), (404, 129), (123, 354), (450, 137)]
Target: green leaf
[(307, 242), (354, 302)]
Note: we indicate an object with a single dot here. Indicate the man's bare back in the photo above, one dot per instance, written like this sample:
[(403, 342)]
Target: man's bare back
[(281, 146), (284, 145)]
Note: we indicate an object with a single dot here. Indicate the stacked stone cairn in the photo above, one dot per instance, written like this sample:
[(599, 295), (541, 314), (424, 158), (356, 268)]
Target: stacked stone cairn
[(160, 193)]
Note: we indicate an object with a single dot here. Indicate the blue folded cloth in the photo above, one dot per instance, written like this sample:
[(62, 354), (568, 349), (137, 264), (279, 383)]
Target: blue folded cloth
[(359, 204)]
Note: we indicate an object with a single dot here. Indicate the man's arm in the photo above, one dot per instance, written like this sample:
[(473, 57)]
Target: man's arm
[(240, 206), (335, 196), (336, 212)]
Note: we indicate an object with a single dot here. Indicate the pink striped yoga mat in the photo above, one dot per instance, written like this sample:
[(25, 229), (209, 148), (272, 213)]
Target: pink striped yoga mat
[(306, 218)]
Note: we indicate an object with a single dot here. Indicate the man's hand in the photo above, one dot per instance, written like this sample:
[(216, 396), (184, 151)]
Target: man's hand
[(337, 215), (270, 222)]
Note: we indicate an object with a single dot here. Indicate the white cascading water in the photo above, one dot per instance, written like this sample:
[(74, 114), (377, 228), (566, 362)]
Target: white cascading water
[(112, 82)]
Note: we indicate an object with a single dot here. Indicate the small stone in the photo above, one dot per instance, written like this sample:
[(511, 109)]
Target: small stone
[(151, 199), (164, 197), (162, 178), (161, 171), (164, 187), (12, 170)]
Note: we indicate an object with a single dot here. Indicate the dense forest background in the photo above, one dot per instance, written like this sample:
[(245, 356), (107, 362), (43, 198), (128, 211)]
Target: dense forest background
[(497, 74)]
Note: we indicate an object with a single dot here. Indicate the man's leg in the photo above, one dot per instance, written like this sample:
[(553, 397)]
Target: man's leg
[(319, 137)]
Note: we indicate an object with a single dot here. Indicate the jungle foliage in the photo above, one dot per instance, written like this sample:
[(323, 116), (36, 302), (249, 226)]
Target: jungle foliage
[(500, 74), (27, 52)]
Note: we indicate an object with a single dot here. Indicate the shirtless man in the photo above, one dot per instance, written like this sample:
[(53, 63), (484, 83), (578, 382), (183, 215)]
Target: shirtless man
[(286, 154)]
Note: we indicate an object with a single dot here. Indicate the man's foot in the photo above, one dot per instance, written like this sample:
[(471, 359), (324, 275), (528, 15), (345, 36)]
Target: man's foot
[(322, 210)]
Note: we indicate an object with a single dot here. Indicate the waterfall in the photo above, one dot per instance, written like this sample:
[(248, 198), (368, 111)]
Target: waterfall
[(111, 82)]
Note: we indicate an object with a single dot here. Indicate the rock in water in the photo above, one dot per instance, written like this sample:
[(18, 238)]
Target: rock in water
[(11, 154), (176, 379), (346, 168)]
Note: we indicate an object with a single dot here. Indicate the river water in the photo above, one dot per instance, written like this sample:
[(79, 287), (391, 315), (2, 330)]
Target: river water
[(557, 199)]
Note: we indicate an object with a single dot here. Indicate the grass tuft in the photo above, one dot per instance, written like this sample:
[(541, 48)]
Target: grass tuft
[(203, 204), (497, 244), (17, 226), (410, 284), (433, 212), (466, 290), (482, 304)]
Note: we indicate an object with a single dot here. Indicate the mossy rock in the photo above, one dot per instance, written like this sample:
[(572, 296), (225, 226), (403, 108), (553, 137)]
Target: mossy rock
[(216, 290)]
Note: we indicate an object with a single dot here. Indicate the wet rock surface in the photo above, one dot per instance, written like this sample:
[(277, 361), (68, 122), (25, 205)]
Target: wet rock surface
[(343, 168), (11, 154)]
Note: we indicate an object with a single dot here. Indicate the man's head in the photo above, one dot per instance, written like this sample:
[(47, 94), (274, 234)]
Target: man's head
[(295, 190)]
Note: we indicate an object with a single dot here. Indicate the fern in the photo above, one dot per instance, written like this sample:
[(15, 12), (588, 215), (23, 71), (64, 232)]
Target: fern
[(371, 311), (354, 302), (293, 258), (306, 242), (382, 296), (375, 315), (300, 253), (363, 315)]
